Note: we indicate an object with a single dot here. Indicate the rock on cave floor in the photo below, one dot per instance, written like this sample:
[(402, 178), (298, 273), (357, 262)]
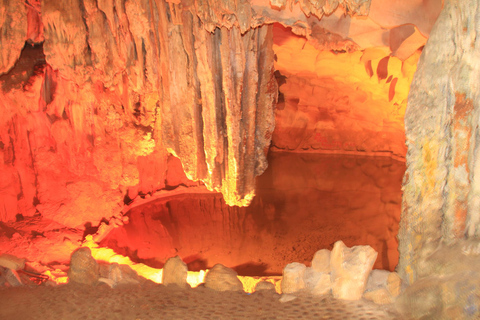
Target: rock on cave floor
[(152, 301)]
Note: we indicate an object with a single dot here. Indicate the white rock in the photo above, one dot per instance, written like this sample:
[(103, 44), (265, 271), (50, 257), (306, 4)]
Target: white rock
[(293, 277), (350, 270), (317, 283), (382, 286), (321, 261), (377, 279), (175, 272), (11, 262), (221, 278), (287, 297)]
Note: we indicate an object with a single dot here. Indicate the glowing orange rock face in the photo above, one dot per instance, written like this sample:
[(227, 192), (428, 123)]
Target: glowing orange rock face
[(339, 102)]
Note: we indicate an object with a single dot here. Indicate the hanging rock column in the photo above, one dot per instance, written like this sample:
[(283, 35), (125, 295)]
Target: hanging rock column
[(441, 202), (219, 92)]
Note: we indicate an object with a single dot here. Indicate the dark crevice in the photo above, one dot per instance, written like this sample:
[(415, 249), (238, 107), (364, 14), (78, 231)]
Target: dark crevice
[(31, 62)]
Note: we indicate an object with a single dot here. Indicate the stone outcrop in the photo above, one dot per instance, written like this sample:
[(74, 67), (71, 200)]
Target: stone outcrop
[(175, 272), (350, 270), (221, 278), (11, 262), (84, 268), (383, 287), (264, 286), (293, 278)]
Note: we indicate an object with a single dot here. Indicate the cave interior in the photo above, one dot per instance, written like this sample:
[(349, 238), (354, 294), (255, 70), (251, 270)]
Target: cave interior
[(250, 133)]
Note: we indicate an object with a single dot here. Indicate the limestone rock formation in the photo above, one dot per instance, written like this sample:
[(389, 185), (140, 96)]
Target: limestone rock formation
[(350, 270), (83, 267), (175, 272), (317, 282), (293, 278), (221, 278), (264, 286), (321, 261), (441, 186), (382, 287), (11, 262)]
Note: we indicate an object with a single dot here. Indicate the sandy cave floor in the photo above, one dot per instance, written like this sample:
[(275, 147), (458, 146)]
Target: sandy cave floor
[(153, 301)]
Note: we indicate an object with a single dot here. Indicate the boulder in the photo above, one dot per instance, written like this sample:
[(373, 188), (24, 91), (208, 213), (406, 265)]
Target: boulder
[(317, 283), (382, 286), (377, 279), (293, 277), (175, 271), (11, 262), (394, 284), (12, 277), (321, 261), (83, 267), (379, 296), (264, 285), (221, 278), (350, 270)]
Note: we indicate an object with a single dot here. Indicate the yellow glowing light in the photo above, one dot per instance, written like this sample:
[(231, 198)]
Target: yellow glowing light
[(194, 278)]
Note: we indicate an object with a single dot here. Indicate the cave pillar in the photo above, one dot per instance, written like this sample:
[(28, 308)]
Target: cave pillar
[(441, 201)]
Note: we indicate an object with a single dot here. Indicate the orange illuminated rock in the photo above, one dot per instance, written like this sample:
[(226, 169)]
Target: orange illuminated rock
[(83, 267)]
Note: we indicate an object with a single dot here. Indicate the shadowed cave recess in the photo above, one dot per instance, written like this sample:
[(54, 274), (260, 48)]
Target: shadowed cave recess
[(246, 133)]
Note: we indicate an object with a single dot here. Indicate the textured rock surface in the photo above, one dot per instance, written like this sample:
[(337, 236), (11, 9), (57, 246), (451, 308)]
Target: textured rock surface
[(442, 187), (350, 270), (321, 261), (265, 285), (123, 84), (175, 272), (293, 278), (318, 283), (83, 267), (318, 111), (382, 287), (221, 278), (11, 262)]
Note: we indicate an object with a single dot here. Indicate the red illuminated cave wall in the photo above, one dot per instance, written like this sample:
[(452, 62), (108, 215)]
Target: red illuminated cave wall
[(107, 102)]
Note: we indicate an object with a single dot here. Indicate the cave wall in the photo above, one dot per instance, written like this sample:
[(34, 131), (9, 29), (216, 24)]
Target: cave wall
[(339, 102), (441, 184), (114, 100), (118, 87)]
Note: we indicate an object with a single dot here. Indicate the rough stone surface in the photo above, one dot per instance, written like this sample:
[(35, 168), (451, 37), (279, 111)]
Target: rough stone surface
[(221, 278), (383, 286), (442, 187), (350, 270), (12, 278), (293, 277), (175, 272), (317, 283), (321, 261), (264, 285), (379, 296), (448, 284), (83, 267), (11, 262)]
